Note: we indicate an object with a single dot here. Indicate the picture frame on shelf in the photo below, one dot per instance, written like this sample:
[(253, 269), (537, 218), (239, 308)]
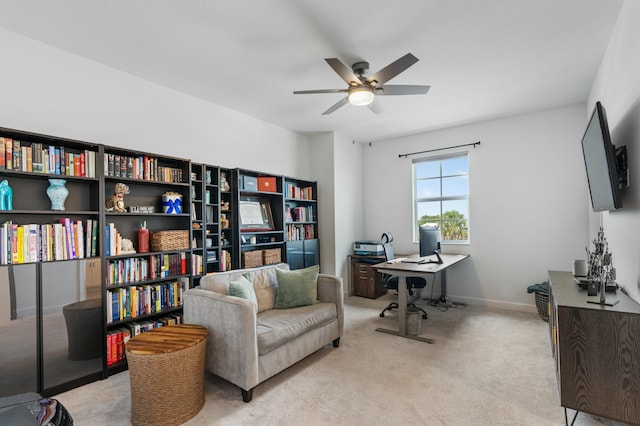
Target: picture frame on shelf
[(255, 215)]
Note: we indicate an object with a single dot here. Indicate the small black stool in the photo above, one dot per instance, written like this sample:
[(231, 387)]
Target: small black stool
[(84, 329)]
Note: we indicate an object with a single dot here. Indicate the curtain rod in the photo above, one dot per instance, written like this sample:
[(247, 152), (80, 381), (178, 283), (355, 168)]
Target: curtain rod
[(438, 149)]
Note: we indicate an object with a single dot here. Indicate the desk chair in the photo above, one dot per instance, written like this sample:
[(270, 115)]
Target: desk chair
[(391, 282)]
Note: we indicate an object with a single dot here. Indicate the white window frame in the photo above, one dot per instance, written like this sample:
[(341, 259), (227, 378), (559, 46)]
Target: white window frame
[(440, 198)]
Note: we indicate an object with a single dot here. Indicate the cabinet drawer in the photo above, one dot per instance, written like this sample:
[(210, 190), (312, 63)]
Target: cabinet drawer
[(362, 268)]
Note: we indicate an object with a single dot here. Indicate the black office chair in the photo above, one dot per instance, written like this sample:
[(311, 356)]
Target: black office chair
[(391, 282)]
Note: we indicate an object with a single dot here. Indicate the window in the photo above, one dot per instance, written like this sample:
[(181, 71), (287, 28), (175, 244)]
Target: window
[(441, 196)]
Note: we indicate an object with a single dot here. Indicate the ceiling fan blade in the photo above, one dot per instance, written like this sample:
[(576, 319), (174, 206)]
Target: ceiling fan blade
[(392, 70), (335, 106), (401, 89), (375, 108), (343, 71), (307, 92)]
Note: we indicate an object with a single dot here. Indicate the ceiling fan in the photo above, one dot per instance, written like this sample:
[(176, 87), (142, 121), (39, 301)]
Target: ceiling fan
[(362, 89)]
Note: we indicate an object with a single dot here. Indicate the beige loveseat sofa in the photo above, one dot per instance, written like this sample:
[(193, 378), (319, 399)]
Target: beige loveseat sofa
[(248, 342)]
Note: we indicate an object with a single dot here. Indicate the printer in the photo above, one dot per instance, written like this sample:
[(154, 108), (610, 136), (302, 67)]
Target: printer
[(368, 248)]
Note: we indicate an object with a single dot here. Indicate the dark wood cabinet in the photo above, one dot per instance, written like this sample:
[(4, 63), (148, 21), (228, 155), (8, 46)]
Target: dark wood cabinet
[(596, 350), (303, 253), (366, 281)]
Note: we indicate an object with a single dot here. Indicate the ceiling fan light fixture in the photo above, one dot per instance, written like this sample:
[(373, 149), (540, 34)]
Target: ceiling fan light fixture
[(361, 96)]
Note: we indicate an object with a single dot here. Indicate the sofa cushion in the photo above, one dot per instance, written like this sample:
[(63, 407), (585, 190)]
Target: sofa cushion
[(279, 326), (297, 288), (265, 283), (243, 287)]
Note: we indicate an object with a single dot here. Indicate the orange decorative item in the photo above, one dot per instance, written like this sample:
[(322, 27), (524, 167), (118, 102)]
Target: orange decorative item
[(267, 184)]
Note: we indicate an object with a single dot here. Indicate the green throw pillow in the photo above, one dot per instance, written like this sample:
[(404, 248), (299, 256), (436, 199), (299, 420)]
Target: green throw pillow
[(297, 288), (243, 287)]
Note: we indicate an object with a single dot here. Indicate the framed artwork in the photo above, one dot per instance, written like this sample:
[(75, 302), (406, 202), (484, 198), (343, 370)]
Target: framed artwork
[(255, 215)]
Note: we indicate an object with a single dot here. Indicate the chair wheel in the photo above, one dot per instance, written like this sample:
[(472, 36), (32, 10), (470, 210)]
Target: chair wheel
[(382, 315), (424, 316)]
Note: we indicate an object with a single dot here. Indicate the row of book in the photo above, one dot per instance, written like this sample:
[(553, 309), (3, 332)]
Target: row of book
[(117, 339), (136, 269), (299, 214), (225, 260), (293, 191), (39, 158), (141, 167), (65, 240), (300, 232), (196, 264), (136, 301)]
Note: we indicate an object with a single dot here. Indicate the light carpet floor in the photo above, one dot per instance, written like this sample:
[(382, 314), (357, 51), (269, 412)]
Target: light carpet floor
[(487, 367)]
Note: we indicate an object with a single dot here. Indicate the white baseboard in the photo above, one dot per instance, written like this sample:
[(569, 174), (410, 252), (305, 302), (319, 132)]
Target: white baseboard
[(497, 304)]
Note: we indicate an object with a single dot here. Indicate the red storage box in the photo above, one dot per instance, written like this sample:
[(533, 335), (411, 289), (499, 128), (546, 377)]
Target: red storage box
[(267, 184)]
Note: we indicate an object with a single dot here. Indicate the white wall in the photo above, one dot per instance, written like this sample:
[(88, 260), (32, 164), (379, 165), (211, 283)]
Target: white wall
[(617, 86), (349, 200), (47, 90), (337, 166), (528, 201), (321, 150)]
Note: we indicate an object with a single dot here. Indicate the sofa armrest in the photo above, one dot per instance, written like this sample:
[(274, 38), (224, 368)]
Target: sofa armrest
[(330, 290), (232, 345)]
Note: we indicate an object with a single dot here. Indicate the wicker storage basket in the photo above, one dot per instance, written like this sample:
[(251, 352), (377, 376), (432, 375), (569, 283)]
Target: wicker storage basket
[(166, 367), (251, 258), (170, 240), (542, 303), (271, 256)]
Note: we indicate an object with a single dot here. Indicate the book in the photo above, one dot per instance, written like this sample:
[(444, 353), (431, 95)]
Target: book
[(110, 168), (94, 238), (33, 242), (2, 153), (28, 155), (36, 161), (130, 167), (56, 160), (17, 161), (8, 144), (82, 167), (63, 161)]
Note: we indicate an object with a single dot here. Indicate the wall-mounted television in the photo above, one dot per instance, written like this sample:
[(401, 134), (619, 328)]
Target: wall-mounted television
[(600, 162)]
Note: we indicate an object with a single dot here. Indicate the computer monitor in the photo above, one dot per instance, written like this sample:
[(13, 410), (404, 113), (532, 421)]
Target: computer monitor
[(430, 238)]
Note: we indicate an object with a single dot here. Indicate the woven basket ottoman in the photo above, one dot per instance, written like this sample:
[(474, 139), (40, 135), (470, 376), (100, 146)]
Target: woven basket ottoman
[(166, 373)]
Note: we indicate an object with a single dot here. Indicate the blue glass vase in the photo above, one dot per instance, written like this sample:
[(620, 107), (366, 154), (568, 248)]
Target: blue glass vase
[(57, 193)]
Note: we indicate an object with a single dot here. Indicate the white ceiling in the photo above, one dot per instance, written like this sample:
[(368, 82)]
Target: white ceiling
[(483, 59)]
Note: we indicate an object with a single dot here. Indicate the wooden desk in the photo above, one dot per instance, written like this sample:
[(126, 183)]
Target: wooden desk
[(403, 270), (596, 350)]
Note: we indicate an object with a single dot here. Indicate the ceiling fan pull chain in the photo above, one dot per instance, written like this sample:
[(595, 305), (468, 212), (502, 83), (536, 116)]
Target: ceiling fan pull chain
[(353, 124)]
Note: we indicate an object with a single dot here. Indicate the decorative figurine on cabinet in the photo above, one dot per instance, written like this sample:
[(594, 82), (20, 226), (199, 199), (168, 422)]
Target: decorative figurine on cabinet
[(172, 203), (224, 184), (127, 246), (115, 203), (6, 196)]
